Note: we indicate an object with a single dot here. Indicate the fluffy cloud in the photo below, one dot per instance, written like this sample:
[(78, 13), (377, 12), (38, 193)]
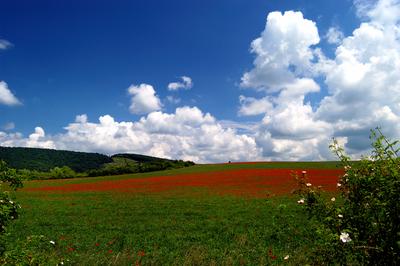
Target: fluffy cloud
[(37, 139), (283, 68), (186, 84), (282, 51), (363, 82), (252, 106), (383, 12), (187, 134), (6, 96), (4, 44), (144, 99)]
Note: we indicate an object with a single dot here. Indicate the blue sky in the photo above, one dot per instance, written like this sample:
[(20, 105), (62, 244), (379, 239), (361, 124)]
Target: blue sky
[(65, 64)]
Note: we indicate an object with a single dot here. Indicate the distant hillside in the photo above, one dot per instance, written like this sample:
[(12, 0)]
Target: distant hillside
[(139, 158), (46, 159)]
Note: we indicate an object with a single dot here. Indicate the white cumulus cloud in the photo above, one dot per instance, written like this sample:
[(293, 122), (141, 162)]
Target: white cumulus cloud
[(185, 84), (187, 134), (144, 99), (37, 139), (282, 51), (6, 96), (252, 106), (284, 70), (363, 82)]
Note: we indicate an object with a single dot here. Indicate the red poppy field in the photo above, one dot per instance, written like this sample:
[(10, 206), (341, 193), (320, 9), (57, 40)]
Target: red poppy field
[(253, 182), (221, 214)]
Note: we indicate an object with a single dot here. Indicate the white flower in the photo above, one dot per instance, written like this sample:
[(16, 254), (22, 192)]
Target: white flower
[(304, 172), (300, 201), (347, 167), (333, 199), (286, 257), (345, 237), (338, 185), (308, 184), (340, 216), (52, 242)]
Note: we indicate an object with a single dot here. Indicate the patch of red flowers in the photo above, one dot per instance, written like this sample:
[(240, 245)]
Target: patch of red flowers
[(240, 182)]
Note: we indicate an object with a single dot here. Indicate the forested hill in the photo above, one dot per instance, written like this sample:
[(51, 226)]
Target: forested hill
[(46, 159)]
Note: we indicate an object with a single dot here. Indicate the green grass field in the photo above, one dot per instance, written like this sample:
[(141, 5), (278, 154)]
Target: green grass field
[(187, 226)]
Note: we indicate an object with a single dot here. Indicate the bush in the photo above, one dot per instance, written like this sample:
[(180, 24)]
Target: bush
[(363, 224), (62, 172), (8, 207)]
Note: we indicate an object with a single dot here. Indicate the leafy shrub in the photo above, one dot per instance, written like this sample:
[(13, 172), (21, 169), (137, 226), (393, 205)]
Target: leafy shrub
[(26, 174), (8, 207), (362, 226), (62, 172)]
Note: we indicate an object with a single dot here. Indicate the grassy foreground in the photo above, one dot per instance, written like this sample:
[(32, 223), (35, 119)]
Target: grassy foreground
[(184, 227)]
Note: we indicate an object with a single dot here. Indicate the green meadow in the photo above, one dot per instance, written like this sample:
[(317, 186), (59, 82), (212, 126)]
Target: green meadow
[(186, 226)]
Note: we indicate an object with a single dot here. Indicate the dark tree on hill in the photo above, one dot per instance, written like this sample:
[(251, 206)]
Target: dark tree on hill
[(46, 159)]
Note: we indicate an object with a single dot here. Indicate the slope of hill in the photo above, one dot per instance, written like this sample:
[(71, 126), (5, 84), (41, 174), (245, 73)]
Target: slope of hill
[(46, 159), (138, 157)]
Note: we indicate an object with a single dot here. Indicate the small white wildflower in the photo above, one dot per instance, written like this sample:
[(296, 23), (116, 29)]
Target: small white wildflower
[(340, 216), (300, 201), (345, 237), (52, 242), (1, 201), (338, 184), (333, 199), (347, 167), (12, 202), (12, 217), (308, 184), (304, 172), (62, 263), (286, 257)]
